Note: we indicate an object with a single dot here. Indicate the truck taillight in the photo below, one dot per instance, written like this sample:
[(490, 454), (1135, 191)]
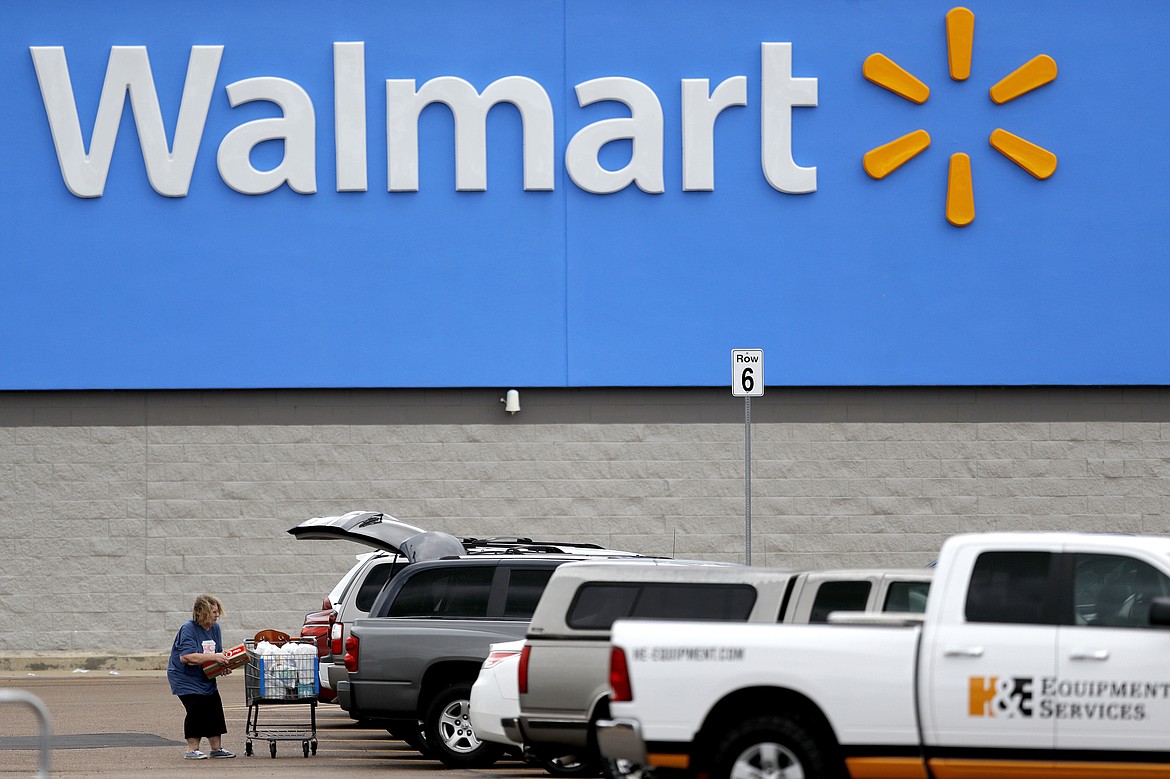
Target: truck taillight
[(351, 653), (335, 638), (522, 673), (619, 677)]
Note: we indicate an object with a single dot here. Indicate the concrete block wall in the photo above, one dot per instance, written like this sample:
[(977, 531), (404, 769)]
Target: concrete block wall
[(117, 508)]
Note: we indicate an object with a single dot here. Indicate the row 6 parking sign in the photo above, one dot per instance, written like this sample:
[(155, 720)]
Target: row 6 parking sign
[(747, 373)]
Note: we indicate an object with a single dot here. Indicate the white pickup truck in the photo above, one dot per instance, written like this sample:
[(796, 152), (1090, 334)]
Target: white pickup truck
[(1039, 655)]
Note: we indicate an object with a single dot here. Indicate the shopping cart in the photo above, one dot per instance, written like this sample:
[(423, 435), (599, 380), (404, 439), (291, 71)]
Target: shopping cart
[(277, 682)]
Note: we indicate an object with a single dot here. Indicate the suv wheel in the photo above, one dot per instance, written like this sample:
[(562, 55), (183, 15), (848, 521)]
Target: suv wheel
[(447, 728)]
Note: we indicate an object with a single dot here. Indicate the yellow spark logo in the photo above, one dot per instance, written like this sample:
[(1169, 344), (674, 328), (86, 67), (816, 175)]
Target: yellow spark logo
[(885, 159)]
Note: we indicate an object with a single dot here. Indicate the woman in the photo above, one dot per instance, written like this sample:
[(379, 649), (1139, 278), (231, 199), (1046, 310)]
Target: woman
[(199, 641)]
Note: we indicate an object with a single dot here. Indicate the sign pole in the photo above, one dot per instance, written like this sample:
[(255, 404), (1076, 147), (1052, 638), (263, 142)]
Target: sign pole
[(747, 382), (747, 485)]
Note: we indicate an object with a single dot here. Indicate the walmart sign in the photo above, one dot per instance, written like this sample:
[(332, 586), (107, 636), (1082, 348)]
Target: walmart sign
[(129, 74), (582, 193)]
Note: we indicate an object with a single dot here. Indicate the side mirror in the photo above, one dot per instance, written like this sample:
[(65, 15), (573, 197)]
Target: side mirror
[(1160, 612)]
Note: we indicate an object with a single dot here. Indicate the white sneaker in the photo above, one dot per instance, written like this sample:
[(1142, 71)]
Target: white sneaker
[(194, 754)]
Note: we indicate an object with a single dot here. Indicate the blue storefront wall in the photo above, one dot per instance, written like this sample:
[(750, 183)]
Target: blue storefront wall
[(1062, 280)]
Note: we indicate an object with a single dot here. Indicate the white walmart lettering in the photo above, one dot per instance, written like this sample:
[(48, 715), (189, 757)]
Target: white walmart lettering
[(169, 169)]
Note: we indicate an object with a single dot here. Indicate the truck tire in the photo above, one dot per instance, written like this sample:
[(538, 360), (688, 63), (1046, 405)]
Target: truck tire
[(448, 733), (771, 746), (625, 769)]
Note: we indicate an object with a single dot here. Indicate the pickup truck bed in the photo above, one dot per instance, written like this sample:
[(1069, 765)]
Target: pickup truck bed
[(855, 693)]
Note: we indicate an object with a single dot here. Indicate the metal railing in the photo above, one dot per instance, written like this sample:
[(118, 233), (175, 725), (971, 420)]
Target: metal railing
[(46, 726)]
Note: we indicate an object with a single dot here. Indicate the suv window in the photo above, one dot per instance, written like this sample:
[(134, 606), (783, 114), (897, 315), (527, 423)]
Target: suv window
[(906, 597), (1115, 591), (839, 596), (597, 604), (445, 592), (1012, 588), (525, 587), (376, 577)]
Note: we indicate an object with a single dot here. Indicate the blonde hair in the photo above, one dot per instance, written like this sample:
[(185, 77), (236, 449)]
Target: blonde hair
[(201, 612)]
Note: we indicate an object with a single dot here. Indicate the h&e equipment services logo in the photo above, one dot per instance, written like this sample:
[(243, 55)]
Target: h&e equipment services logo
[(1048, 697)]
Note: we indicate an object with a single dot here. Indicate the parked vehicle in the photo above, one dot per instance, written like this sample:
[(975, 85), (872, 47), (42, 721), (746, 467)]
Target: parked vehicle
[(396, 544), (495, 695), (355, 592), (412, 662), (1038, 655), (563, 670), (495, 698)]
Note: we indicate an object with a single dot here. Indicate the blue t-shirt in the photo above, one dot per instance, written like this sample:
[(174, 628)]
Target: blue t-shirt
[(190, 679)]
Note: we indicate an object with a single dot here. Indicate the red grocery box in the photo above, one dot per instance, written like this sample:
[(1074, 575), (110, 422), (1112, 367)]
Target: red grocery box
[(236, 656)]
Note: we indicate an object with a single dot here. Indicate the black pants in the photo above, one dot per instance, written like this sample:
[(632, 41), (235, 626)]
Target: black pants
[(204, 716)]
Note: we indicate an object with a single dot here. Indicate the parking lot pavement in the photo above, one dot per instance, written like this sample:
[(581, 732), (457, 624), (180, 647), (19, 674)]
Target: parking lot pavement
[(131, 726)]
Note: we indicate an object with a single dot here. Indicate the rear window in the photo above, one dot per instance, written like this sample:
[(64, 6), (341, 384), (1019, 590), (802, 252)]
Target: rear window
[(839, 596), (1012, 588), (597, 604), (445, 592), (907, 597), (525, 587), (375, 579)]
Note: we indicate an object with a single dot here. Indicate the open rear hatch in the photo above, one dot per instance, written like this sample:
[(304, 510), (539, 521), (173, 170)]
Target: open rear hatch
[(381, 531)]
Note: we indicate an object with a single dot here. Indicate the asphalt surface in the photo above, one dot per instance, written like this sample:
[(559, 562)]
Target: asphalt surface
[(131, 726)]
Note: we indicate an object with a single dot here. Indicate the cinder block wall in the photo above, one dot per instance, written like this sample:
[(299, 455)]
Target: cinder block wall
[(117, 508)]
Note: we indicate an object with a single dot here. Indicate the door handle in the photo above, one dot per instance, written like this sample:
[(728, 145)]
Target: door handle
[(1089, 654), (966, 651)]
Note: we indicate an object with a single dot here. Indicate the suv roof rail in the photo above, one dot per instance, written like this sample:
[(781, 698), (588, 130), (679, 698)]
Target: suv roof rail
[(519, 549), (506, 543)]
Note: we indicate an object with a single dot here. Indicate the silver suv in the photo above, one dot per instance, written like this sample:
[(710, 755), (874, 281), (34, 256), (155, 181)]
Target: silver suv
[(564, 665)]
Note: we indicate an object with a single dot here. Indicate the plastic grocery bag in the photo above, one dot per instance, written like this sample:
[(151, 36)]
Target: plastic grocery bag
[(270, 662), (304, 655)]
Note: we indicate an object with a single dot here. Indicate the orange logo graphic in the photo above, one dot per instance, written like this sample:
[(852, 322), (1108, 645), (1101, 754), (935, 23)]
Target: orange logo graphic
[(885, 159), (981, 693)]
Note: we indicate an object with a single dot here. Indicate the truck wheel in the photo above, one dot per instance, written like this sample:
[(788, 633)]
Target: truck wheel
[(770, 746), (447, 729), (625, 769)]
